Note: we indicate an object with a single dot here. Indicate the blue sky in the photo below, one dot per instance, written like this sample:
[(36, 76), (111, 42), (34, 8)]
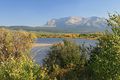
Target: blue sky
[(37, 12)]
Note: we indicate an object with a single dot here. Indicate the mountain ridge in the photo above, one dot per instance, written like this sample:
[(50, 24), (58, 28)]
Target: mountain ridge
[(72, 24), (76, 21)]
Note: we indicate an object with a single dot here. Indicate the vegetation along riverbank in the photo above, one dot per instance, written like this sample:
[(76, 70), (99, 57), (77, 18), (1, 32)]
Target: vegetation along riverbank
[(65, 61)]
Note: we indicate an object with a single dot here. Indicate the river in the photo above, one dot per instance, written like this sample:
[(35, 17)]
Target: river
[(39, 52)]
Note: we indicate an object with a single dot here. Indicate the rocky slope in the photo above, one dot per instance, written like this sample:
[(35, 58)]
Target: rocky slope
[(78, 22)]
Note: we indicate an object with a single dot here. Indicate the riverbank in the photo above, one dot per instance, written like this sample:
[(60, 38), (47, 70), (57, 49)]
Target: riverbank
[(41, 44), (89, 36)]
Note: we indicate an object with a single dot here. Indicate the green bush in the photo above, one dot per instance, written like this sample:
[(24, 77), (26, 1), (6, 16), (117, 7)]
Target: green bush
[(22, 69), (104, 64), (64, 59)]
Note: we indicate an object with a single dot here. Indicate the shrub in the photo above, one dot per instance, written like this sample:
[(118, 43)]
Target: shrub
[(22, 69), (104, 64), (13, 43), (63, 59), (14, 61)]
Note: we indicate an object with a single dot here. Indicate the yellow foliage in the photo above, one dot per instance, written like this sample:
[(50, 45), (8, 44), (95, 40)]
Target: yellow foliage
[(12, 43)]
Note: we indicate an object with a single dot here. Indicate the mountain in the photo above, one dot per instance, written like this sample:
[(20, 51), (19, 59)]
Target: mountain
[(76, 21), (89, 24), (73, 24)]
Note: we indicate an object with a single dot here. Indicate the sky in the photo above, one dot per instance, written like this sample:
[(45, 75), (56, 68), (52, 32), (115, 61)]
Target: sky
[(38, 12)]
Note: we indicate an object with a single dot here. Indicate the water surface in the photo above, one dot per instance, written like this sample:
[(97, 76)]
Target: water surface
[(39, 53)]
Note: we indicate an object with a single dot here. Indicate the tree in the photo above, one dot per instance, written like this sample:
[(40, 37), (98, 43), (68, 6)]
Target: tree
[(104, 62)]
